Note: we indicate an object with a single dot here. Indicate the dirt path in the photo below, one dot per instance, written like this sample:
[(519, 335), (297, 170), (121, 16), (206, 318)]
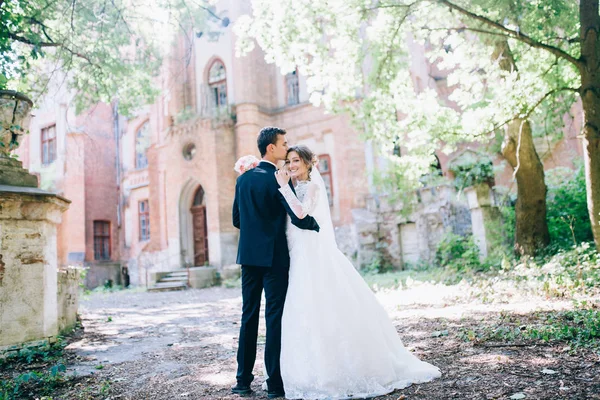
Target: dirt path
[(181, 345)]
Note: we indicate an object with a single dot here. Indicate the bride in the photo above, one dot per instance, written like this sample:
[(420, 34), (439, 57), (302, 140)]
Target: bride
[(337, 340)]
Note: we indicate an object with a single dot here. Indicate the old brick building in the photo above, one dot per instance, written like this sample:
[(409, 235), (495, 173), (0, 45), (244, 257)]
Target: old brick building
[(178, 155), (74, 155)]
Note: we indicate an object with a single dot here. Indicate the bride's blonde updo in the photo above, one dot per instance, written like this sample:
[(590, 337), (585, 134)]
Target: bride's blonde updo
[(306, 155)]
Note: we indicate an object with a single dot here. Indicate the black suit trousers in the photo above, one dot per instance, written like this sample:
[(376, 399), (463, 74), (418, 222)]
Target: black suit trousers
[(274, 281)]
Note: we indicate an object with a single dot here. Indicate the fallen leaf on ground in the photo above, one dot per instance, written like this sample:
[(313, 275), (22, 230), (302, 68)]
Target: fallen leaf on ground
[(549, 371)]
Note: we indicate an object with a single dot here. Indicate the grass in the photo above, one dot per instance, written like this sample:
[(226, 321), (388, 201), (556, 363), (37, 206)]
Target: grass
[(580, 328)]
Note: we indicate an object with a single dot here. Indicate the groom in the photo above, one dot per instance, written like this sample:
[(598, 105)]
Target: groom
[(259, 212)]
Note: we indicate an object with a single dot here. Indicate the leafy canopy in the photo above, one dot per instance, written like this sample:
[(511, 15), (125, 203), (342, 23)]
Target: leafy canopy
[(360, 56), (104, 48)]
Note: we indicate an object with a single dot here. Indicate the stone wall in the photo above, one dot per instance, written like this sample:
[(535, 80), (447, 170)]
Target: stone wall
[(103, 273), (404, 239), (68, 298), (28, 288)]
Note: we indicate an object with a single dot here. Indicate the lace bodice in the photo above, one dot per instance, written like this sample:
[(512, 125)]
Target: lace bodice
[(304, 201)]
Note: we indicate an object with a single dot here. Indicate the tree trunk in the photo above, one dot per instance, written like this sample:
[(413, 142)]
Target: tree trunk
[(590, 96), (531, 230)]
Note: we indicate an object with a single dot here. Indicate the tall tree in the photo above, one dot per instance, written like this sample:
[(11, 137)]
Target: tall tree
[(518, 148), (349, 47), (588, 65)]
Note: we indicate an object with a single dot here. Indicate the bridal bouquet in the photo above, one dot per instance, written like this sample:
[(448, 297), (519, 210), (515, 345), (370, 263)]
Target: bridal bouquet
[(245, 163)]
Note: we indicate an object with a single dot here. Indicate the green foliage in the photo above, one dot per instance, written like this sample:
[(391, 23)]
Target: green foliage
[(108, 49), (579, 328), (397, 189), (184, 115), (377, 266), (44, 381), (567, 211), (566, 274), (232, 283), (472, 169), (30, 355), (366, 56), (458, 253)]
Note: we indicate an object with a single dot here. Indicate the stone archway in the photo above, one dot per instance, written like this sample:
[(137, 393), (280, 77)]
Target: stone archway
[(192, 223)]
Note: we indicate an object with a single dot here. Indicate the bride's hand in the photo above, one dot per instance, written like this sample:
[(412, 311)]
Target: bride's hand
[(282, 176)]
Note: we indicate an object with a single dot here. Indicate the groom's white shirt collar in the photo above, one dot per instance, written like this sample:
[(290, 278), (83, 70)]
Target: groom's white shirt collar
[(267, 161)]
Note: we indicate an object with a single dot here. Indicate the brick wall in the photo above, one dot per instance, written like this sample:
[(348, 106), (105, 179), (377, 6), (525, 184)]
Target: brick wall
[(101, 192)]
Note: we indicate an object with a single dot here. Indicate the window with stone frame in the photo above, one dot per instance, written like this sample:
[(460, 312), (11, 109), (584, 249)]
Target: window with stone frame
[(48, 144), (292, 88), (102, 247), (326, 172), (217, 83), (142, 142), (144, 220)]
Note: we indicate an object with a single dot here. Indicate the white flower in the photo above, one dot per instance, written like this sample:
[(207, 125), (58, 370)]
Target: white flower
[(245, 163)]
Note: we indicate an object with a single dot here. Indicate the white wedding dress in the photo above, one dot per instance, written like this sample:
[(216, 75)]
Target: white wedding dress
[(337, 340)]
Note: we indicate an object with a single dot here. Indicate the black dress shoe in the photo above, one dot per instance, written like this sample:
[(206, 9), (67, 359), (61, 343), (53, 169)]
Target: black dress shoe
[(242, 390), (276, 394)]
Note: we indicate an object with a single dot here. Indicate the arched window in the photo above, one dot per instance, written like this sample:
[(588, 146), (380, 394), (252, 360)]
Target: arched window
[(292, 88), (325, 170), (217, 83), (142, 142), (198, 197)]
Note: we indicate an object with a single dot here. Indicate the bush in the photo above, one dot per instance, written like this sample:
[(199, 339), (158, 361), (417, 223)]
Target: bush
[(458, 253), (568, 218), (377, 266), (472, 169)]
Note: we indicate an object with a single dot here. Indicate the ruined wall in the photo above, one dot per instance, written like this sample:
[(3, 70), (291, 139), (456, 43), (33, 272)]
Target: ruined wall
[(67, 298), (404, 239)]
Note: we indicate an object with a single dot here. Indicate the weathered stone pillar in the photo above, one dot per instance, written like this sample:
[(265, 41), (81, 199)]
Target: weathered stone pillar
[(485, 216), (28, 257)]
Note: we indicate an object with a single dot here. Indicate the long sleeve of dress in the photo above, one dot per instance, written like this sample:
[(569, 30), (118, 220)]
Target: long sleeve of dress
[(301, 208)]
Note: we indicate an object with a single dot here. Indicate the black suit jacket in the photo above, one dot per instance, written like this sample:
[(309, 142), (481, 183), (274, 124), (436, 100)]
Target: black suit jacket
[(259, 212)]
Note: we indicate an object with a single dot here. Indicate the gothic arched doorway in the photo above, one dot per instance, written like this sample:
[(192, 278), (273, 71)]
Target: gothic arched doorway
[(199, 228)]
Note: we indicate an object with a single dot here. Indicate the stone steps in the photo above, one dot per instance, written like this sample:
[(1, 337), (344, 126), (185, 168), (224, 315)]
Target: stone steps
[(167, 286), (176, 280), (178, 273)]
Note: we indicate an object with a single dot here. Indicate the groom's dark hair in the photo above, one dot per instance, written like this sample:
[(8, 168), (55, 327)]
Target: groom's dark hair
[(267, 136)]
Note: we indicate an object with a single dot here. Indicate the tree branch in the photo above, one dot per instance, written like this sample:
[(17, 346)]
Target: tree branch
[(390, 49), (44, 27), (531, 110), (550, 93), (72, 15), (512, 33), (32, 43), (377, 7), (572, 40)]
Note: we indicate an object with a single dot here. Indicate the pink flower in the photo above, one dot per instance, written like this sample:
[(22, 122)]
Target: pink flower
[(246, 163)]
